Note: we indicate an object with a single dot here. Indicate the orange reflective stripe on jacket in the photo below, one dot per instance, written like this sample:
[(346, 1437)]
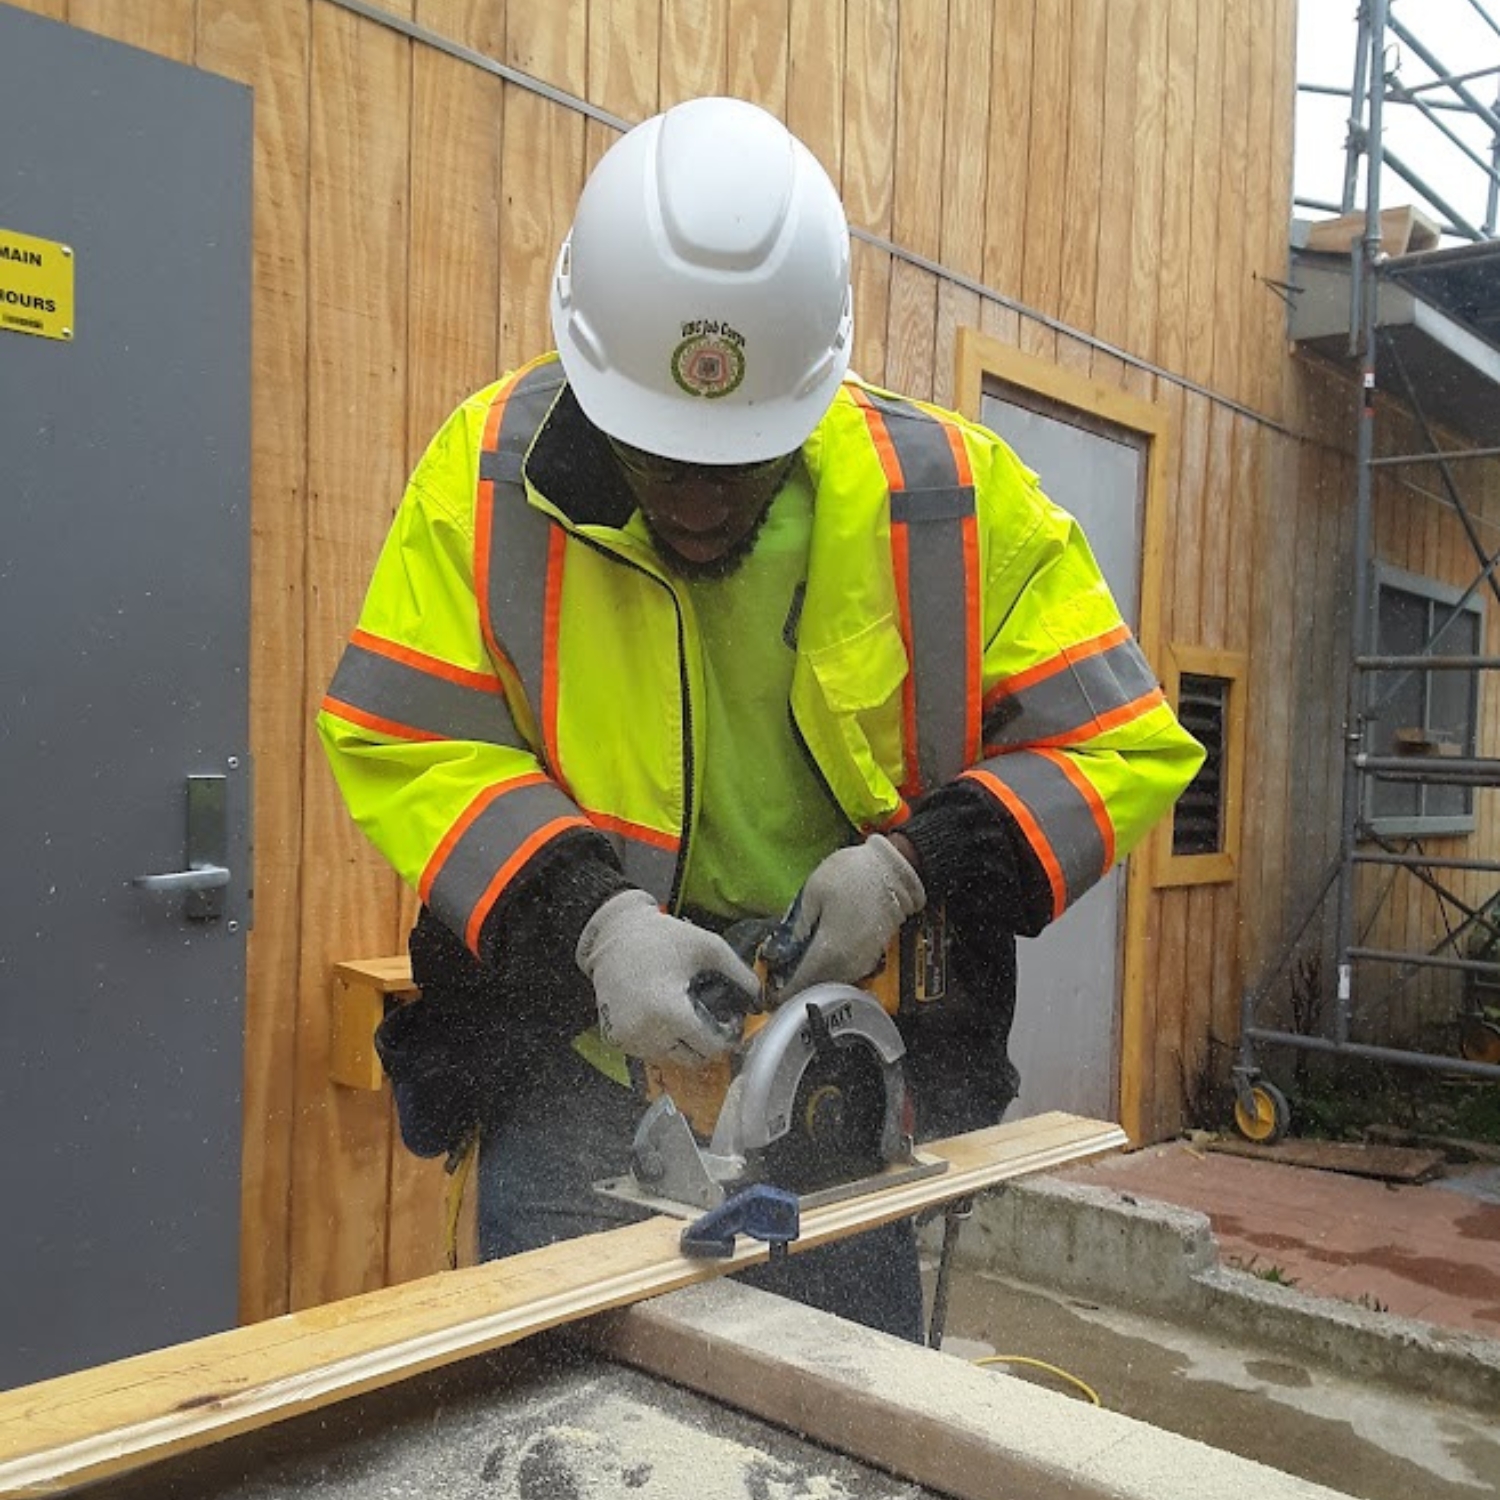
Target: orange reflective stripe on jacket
[(935, 558)]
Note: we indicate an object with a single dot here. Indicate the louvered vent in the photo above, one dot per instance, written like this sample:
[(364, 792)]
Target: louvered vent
[(1198, 818)]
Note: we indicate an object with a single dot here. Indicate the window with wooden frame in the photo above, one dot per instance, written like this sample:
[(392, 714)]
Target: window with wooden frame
[(1199, 840)]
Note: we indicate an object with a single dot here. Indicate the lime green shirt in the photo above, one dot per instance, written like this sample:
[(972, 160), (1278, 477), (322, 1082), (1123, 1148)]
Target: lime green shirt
[(764, 817)]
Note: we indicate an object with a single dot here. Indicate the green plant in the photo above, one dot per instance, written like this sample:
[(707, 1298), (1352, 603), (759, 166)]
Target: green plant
[(1276, 1275)]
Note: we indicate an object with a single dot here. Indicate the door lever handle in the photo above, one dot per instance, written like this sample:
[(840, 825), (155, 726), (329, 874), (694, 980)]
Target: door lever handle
[(199, 878), (206, 874)]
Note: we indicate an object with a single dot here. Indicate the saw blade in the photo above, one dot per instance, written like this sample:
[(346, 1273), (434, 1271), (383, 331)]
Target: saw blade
[(837, 1123)]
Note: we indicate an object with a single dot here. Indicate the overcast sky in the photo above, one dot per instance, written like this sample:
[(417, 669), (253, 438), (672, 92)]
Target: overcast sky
[(1463, 35)]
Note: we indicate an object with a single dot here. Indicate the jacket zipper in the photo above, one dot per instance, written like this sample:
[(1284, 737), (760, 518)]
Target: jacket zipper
[(684, 684)]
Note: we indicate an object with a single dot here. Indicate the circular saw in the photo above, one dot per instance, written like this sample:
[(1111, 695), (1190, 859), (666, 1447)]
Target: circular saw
[(817, 1108)]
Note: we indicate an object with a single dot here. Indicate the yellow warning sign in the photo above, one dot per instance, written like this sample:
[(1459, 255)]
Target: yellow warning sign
[(36, 286)]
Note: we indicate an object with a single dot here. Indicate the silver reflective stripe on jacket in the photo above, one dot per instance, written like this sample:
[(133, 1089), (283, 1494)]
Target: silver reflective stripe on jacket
[(1061, 816), (503, 829), (1072, 698), (520, 570), (412, 700), (933, 523)]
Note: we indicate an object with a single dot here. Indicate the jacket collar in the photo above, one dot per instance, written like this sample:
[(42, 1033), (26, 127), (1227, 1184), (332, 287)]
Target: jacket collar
[(570, 463)]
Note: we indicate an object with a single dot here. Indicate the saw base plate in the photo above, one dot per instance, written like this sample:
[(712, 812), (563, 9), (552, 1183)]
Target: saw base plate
[(627, 1190)]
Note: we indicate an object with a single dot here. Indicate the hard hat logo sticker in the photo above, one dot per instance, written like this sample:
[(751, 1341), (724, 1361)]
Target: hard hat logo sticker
[(710, 360)]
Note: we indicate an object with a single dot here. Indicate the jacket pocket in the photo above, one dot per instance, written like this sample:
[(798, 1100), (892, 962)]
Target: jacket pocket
[(437, 1064), (861, 672)]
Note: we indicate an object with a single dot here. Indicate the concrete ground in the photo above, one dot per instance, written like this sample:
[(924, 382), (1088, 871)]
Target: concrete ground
[(1362, 1437), (1333, 1328)]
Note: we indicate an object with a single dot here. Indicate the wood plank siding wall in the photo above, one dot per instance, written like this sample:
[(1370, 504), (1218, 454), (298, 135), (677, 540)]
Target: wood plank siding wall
[(1101, 184)]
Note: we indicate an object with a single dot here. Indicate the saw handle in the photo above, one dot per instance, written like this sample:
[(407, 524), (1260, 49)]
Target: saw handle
[(764, 1212), (718, 996)]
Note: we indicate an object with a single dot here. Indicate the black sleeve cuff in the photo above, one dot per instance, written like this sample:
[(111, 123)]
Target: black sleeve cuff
[(973, 855), (543, 920)]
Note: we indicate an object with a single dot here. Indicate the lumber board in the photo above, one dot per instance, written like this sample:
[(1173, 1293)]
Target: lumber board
[(947, 1425), (1353, 1158), (133, 1412)]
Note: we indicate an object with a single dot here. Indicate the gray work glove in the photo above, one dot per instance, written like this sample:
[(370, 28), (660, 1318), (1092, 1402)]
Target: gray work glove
[(851, 907), (665, 988)]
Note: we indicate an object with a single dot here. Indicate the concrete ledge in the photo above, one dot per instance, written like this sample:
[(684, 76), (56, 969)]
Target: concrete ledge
[(1139, 1254), (930, 1418)]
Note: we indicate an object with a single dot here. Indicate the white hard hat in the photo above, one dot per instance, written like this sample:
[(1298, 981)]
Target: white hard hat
[(701, 304)]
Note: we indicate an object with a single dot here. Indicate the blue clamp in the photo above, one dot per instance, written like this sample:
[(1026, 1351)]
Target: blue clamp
[(766, 1213)]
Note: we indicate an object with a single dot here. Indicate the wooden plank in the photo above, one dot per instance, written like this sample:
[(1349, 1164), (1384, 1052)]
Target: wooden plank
[(1353, 1158), (1003, 325), (911, 339), (1266, 228), (624, 56), (541, 170), (694, 58), (1234, 935), (549, 42), (1009, 148), (966, 129), (455, 222), (917, 214), (1207, 192), (122, 1416), (1233, 287), (1284, 92), (1082, 188), (1177, 174), (1115, 228), (758, 63), (360, 176), (958, 308), (1404, 230), (869, 170), (266, 47), (1148, 189), (815, 92), (624, 67), (1041, 274), (871, 273), (1271, 646), (1220, 501), (541, 177), (164, 27), (52, 10)]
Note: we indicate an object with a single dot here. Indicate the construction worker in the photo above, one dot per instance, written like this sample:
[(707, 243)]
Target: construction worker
[(682, 623)]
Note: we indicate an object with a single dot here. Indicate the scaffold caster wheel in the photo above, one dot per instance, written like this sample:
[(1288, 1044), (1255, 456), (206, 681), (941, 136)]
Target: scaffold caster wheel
[(1479, 1040), (1266, 1117)]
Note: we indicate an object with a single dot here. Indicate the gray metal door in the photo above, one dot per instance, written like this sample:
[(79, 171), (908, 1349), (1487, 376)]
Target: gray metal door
[(1065, 1041), (124, 579)]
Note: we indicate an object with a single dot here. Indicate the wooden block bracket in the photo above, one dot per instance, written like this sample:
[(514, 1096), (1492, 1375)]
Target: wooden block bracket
[(363, 991)]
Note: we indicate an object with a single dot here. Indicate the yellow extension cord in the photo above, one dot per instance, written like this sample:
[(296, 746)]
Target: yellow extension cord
[(1041, 1364)]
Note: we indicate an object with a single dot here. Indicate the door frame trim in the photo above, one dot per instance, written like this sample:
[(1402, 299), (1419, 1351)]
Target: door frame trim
[(983, 360)]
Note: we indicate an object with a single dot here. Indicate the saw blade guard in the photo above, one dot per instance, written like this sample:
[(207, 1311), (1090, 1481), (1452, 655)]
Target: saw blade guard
[(758, 1109)]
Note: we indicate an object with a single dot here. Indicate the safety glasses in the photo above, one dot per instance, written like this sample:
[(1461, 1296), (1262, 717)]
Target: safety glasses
[(653, 469)]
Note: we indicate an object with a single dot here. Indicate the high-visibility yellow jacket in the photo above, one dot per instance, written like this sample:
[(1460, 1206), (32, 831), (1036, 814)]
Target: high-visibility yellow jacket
[(524, 668)]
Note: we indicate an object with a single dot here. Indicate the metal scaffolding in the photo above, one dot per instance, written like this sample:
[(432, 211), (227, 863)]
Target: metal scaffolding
[(1400, 317)]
